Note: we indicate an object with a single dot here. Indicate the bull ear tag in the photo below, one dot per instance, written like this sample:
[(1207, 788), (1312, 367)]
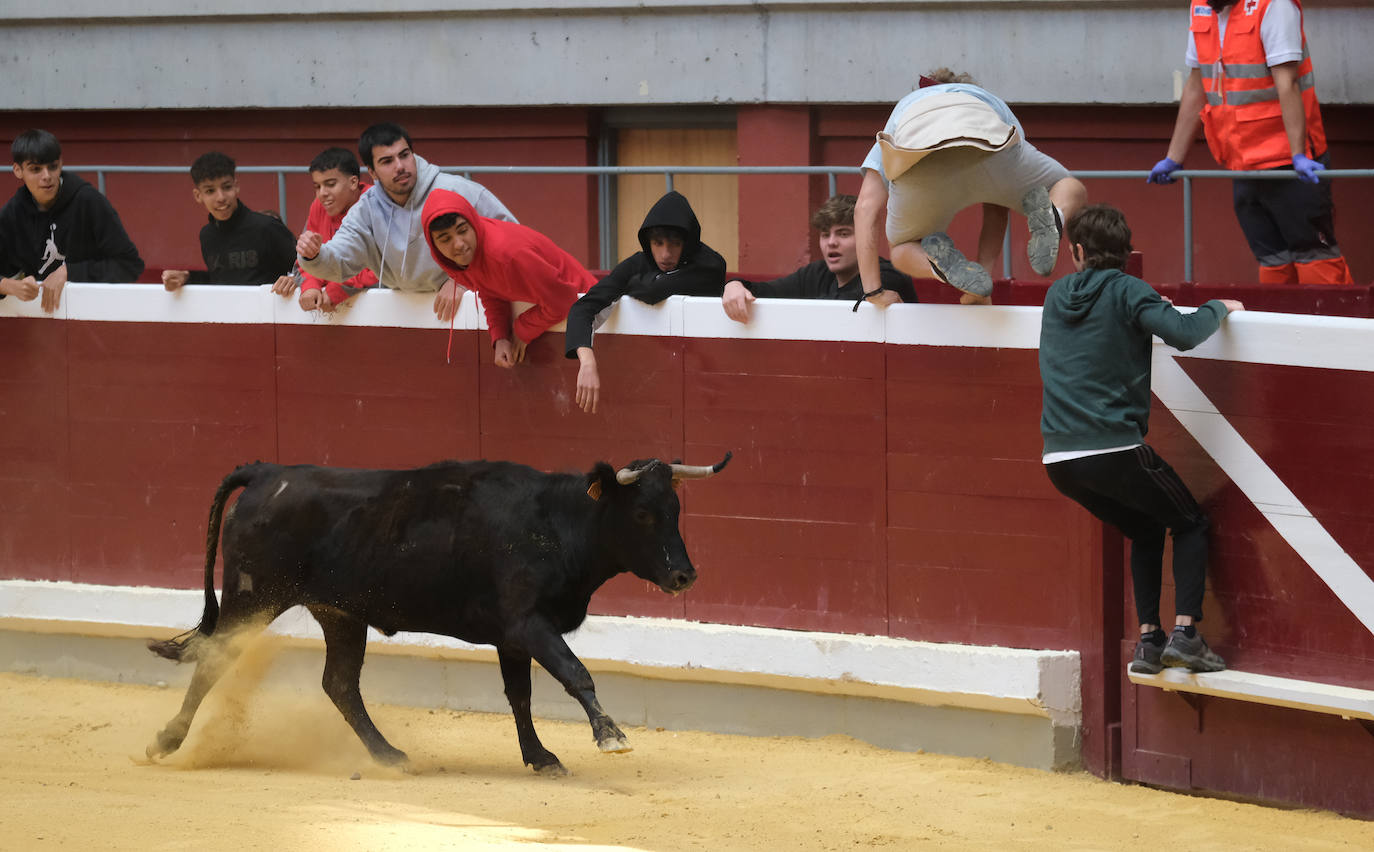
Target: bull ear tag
[(594, 490)]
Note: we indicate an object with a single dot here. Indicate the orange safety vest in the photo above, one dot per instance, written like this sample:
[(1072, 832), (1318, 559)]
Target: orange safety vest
[(1242, 117)]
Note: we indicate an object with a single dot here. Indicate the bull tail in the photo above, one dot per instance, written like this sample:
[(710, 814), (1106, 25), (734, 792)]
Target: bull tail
[(181, 648)]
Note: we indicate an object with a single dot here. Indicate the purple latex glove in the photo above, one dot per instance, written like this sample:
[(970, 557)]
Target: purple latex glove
[(1163, 171), (1307, 168)]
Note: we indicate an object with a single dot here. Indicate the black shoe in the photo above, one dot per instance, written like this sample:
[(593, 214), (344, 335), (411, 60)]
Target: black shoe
[(1147, 658), (1192, 654)]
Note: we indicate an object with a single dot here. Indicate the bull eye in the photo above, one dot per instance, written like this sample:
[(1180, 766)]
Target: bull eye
[(644, 517)]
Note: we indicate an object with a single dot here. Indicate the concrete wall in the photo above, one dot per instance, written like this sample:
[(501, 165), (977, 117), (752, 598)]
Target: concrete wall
[(85, 54)]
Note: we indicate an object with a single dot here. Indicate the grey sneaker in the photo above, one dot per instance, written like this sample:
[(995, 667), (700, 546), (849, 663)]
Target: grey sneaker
[(1045, 230), (1147, 656), (1192, 654), (953, 268)]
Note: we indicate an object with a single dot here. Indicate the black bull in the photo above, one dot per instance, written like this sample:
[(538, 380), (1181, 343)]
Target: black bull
[(492, 553)]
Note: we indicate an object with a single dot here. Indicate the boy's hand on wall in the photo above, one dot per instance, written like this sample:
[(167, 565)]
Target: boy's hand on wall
[(285, 285), (447, 302), (174, 279), (736, 300), (52, 288)]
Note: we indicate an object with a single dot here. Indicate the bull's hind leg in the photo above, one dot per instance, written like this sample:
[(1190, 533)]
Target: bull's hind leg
[(345, 642), (515, 672), (214, 655)]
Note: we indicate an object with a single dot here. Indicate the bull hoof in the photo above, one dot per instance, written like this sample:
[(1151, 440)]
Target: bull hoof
[(391, 757), (552, 770), (614, 745), (163, 745)]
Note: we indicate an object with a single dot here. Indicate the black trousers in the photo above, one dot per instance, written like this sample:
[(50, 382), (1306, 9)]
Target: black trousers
[(1138, 493), (1286, 221)]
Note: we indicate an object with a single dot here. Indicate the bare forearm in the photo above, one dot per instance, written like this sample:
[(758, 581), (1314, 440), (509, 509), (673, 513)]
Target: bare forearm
[(1189, 117), (868, 219), (1290, 105)]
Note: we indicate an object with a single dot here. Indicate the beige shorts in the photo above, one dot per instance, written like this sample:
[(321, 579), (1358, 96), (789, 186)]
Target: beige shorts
[(926, 197)]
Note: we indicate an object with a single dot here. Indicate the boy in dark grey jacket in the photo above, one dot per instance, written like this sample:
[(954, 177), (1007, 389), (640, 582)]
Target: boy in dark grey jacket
[(1095, 339)]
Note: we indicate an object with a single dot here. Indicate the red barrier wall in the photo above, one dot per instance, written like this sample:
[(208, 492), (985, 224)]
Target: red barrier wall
[(876, 488)]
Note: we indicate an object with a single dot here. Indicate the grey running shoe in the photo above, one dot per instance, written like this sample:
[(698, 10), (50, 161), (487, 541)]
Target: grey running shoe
[(1192, 654), (1147, 656), (953, 268), (1045, 230)]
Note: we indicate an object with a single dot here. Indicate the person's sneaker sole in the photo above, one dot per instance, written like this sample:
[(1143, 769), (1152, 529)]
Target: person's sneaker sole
[(1142, 667), (951, 267), (1046, 230)]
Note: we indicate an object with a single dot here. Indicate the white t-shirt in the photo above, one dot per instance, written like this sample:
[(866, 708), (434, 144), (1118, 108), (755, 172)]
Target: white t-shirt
[(874, 160), (1280, 32)]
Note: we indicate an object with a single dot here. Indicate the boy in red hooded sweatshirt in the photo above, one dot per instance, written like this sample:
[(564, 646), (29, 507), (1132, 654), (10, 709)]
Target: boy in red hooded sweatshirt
[(504, 262)]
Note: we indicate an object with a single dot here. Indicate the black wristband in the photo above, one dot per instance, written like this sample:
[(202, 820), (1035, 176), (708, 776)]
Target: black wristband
[(862, 298)]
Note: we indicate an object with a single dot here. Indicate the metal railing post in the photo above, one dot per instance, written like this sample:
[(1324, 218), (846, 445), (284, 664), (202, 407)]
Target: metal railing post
[(281, 195), (834, 185), (668, 181), (100, 181), (1006, 251), (1187, 229)]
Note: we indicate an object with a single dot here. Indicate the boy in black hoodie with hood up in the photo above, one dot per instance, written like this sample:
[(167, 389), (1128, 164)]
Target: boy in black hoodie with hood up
[(58, 228), (1096, 333), (674, 262)]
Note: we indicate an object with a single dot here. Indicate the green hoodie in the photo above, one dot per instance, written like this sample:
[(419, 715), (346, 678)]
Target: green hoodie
[(1095, 339)]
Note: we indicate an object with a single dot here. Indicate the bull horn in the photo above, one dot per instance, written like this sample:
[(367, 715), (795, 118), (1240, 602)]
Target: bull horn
[(625, 476), (699, 471)]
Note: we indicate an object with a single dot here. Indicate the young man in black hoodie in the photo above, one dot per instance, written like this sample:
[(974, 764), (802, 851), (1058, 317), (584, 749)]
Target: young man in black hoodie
[(1095, 340), (239, 246), (674, 262), (834, 276), (58, 228)]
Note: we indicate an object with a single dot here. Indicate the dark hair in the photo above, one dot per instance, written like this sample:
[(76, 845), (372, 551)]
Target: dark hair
[(443, 223), (382, 134), (1102, 231), (837, 210), (36, 146), (336, 158), (212, 165), (666, 232)]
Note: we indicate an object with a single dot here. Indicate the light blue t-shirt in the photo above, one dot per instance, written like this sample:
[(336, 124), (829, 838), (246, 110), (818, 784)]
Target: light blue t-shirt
[(874, 160)]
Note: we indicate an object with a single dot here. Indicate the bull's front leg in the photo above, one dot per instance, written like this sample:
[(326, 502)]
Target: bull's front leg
[(548, 647), (515, 673)]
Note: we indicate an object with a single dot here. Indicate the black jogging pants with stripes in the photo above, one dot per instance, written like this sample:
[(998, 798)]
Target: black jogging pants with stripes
[(1138, 493)]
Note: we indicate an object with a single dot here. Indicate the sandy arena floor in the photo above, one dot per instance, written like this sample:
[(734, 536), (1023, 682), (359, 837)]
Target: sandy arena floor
[(270, 770)]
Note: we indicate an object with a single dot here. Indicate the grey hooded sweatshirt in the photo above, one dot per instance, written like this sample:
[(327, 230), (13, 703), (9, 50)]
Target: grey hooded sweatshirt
[(388, 239), (1095, 337)]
